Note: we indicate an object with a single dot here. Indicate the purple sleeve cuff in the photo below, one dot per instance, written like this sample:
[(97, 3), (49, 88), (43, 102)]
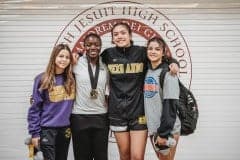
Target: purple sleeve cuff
[(35, 135)]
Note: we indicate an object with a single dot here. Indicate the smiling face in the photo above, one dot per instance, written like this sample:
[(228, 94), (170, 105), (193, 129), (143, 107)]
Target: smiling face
[(92, 46), (62, 61), (155, 51), (121, 36)]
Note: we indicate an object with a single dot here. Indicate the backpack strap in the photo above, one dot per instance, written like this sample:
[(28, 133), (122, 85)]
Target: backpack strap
[(162, 76)]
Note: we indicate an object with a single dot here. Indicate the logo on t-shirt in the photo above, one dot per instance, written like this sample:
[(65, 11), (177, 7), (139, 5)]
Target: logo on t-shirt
[(150, 87)]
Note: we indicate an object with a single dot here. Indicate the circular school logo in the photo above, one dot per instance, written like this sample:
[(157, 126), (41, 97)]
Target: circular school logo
[(146, 22)]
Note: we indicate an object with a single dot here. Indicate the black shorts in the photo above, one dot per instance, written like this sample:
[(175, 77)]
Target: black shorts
[(121, 125)]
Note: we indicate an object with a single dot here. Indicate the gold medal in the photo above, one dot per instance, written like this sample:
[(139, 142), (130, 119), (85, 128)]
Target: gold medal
[(94, 94)]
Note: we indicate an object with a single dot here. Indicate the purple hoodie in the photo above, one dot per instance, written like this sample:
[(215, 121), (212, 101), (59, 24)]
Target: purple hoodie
[(49, 109)]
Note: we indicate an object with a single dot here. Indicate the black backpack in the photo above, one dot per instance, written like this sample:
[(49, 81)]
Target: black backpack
[(188, 108)]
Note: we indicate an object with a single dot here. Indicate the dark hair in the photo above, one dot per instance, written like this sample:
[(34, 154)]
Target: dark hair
[(93, 35), (126, 26), (161, 43)]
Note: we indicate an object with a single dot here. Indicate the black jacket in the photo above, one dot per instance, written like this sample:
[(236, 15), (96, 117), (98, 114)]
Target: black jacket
[(127, 68)]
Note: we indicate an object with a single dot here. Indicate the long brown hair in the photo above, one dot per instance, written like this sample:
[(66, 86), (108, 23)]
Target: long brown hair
[(48, 78)]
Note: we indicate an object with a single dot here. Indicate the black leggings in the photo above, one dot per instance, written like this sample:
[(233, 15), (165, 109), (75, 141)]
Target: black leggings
[(91, 141)]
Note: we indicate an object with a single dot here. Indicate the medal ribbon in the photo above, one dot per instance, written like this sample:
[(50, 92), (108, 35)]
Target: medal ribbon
[(93, 79)]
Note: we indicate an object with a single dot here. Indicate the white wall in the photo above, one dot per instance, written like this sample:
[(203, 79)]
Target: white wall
[(29, 29)]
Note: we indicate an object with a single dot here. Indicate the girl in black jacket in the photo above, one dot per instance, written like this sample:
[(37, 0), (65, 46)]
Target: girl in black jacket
[(127, 66)]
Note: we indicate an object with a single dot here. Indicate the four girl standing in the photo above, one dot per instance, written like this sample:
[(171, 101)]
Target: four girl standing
[(127, 65)]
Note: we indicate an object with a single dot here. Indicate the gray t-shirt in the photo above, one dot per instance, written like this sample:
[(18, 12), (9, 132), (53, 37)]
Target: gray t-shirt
[(83, 103), (153, 95)]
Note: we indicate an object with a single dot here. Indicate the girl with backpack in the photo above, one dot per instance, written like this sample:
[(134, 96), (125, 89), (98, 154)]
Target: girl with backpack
[(161, 103)]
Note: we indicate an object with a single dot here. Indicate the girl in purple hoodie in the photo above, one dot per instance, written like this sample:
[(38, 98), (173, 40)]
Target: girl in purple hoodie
[(52, 101)]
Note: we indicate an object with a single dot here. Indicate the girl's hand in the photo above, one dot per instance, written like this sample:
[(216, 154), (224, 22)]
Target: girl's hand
[(75, 57), (161, 141), (35, 141), (174, 69)]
